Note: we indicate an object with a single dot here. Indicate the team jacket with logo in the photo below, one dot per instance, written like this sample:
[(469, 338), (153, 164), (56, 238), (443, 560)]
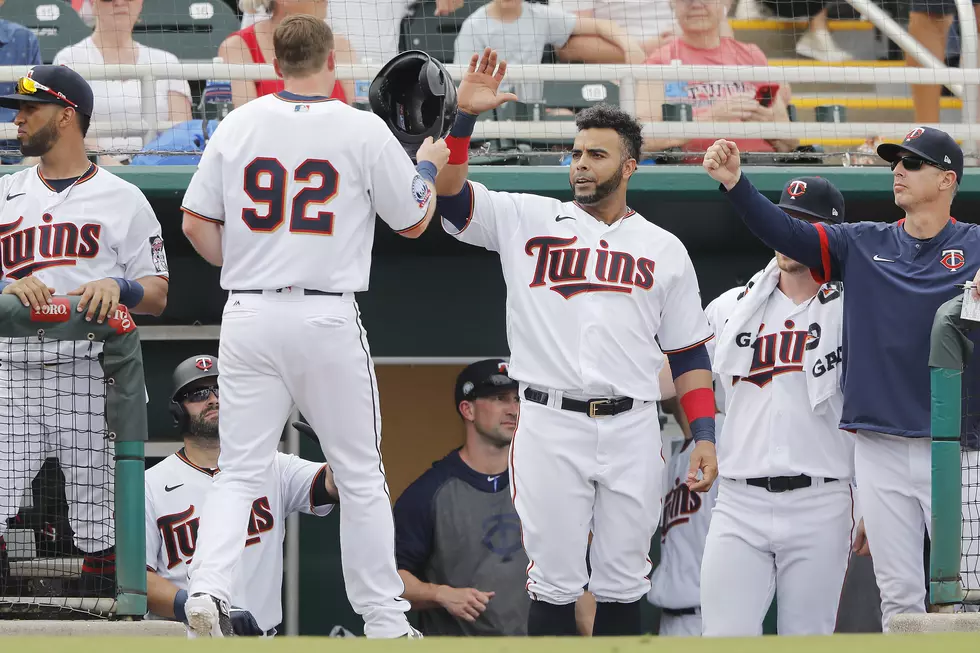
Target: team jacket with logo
[(297, 181), (99, 227), (591, 308), (176, 490), (894, 285)]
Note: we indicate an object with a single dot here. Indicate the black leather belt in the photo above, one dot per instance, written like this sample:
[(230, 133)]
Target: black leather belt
[(680, 612), (784, 483), (306, 291), (591, 407)]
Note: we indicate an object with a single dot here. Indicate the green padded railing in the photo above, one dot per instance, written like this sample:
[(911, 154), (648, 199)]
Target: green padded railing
[(125, 407), (949, 350)]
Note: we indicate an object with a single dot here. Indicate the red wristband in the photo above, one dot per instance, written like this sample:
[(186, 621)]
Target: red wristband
[(459, 150), (698, 403)]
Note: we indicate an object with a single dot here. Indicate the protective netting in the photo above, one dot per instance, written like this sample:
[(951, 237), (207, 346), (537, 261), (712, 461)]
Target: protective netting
[(56, 480), (970, 441), (791, 81)]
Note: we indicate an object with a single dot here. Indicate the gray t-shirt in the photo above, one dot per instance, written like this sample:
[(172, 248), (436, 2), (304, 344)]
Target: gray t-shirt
[(519, 42)]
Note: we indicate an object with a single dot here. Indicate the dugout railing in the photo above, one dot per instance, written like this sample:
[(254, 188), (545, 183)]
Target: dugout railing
[(41, 345), (955, 546)]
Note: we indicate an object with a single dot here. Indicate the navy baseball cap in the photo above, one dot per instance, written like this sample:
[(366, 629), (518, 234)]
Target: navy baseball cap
[(815, 197), (52, 85), (933, 145), (483, 379)]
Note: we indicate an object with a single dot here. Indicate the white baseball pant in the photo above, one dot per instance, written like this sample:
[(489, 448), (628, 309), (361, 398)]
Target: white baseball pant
[(894, 481), (277, 348), (569, 472), (58, 410), (793, 544), (685, 625)]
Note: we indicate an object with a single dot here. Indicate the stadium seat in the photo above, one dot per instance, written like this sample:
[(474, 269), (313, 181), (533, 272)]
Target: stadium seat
[(54, 22), (190, 29), (423, 30)]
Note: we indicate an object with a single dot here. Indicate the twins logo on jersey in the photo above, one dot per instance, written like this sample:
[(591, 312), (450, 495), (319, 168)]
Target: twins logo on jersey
[(777, 353), (26, 251), (179, 531), (502, 535), (679, 504), (565, 267)]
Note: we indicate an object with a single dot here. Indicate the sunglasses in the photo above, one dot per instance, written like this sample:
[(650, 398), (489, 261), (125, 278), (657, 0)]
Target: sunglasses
[(28, 86), (913, 163), (201, 394)]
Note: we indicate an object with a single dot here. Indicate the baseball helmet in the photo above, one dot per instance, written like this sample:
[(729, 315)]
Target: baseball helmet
[(195, 368), (415, 96)]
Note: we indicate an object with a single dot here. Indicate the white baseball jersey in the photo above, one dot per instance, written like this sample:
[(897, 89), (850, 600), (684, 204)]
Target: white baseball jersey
[(591, 308), (176, 490), (676, 583), (717, 312), (770, 429), (296, 184), (101, 226)]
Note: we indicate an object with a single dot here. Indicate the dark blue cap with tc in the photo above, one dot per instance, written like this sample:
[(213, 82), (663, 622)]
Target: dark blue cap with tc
[(933, 146), (52, 85)]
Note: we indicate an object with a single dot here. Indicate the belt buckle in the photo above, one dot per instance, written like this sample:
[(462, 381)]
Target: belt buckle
[(594, 404), (770, 488)]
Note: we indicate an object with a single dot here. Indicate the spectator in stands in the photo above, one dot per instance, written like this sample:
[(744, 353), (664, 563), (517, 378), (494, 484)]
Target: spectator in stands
[(18, 46), (520, 30), (457, 534), (929, 23), (649, 22), (701, 43), (372, 26), (253, 44), (120, 101), (816, 42), (85, 11)]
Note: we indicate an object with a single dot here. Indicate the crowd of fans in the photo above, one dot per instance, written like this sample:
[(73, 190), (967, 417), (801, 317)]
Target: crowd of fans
[(523, 31)]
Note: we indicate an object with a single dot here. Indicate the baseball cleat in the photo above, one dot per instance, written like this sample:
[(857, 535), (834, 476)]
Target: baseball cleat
[(207, 616), (412, 634)]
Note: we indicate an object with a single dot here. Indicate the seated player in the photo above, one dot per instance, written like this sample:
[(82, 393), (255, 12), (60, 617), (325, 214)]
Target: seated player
[(177, 487)]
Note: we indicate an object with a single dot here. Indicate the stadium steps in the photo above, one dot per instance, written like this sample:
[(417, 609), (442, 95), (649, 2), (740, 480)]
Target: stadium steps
[(865, 107), (777, 37)]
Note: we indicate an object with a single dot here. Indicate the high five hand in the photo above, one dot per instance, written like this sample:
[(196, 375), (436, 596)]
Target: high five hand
[(478, 89)]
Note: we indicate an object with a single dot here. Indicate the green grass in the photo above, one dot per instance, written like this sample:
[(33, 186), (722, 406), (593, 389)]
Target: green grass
[(835, 644)]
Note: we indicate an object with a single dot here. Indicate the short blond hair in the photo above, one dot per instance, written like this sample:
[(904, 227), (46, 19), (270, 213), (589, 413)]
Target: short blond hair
[(302, 44)]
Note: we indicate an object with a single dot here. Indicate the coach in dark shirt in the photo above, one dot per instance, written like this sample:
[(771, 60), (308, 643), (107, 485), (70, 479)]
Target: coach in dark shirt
[(457, 535)]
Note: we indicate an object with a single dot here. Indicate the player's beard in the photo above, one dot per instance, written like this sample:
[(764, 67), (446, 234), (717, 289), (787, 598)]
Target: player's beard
[(40, 142), (499, 437), (788, 265), (602, 190), (204, 425)]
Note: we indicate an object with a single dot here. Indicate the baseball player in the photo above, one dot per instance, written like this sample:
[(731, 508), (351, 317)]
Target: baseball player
[(177, 488), (68, 227), (783, 520), (289, 214), (897, 275), (596, 296)]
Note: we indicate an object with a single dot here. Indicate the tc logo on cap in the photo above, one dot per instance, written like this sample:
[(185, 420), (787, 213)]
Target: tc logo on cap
[(502, 368), (204, 364), (796, 188), (915, 133)]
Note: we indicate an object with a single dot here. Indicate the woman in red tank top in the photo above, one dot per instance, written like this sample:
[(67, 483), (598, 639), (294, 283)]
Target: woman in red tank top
[(245, 46)]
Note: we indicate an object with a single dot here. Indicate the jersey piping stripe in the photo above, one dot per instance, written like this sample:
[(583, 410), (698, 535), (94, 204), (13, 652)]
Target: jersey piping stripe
[(689, 347), (199, 216), (183, 457), (513, 499), (321, 477), (469, 218), (407, 229), (88, 174), (824, 255), (305, 100)]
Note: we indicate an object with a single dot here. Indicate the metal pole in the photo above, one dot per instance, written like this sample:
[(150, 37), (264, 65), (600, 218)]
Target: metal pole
[(148, 102), (291, 562)]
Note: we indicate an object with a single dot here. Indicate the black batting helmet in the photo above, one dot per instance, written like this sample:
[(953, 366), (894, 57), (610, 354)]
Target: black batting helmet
[(195, 368), (416, 98)]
